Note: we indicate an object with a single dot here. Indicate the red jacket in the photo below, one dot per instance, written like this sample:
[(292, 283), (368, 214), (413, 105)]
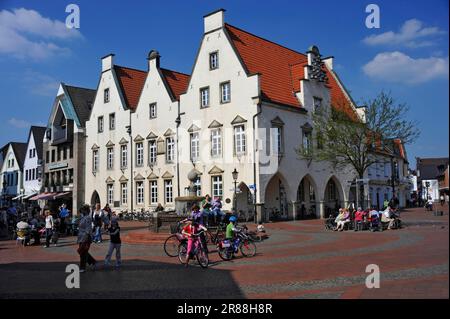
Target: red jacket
[(359, 216)]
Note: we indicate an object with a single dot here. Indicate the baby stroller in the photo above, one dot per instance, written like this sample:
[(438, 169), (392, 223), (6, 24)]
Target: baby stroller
[(375, 222), (330, 223)]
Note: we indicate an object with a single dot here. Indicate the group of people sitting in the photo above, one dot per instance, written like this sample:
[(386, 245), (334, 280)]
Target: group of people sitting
[(212, 210), (360, 219)]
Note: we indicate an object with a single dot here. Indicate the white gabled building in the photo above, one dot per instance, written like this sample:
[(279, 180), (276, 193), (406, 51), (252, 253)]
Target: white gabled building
[(11, 173), (108, 138), (246, 108), (33, 164), (249, 98)]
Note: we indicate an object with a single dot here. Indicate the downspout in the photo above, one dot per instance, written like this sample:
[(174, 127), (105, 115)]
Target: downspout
[(131, 164), (254, 154), (178, 122)]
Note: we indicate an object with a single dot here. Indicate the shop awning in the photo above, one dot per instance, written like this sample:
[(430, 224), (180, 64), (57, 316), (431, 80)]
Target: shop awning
[(63, 194), (43, 196), (18, 197), (50, 196), (29, 196)]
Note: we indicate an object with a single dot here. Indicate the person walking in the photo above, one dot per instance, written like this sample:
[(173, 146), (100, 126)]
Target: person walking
[(107, 215), (85, 238), (49, 224), (63, 214), (97, 219), (114, 243)]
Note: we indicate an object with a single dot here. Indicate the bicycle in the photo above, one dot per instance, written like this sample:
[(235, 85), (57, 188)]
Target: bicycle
[(173, 241), (228, 248), (200, 252), (216, 237)]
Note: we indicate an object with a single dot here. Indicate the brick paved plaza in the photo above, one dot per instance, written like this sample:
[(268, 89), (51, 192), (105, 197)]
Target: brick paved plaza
[(299, 260)]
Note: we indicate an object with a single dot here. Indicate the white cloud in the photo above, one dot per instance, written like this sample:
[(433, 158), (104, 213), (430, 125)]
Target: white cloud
[(19, 123), (26, 34), (40, 84), (401, 68), (412, 34)]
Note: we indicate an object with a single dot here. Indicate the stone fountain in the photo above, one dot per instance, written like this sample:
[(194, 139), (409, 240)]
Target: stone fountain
[(183, 204)]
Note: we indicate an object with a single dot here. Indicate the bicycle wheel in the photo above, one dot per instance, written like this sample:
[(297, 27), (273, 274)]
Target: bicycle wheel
[(171, 246), (208, 237), (182, 252), (202, 258), (248, 248), (225, 253)]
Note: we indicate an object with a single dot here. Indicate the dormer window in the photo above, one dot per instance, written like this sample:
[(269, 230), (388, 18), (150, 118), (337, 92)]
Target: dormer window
[(106, 95), (214, 60)]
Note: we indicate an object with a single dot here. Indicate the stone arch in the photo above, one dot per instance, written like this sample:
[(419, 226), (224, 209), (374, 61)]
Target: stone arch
[(276, 197), (334, 196), (95, 198), (307, 199), (244, 202)]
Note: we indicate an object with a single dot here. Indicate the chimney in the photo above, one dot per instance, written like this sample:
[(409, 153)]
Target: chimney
[(153, 59), (329, 62), (107, 62), (214, 20)]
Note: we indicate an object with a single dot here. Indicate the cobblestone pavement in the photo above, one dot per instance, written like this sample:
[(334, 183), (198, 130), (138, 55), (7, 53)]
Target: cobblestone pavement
[(299, 260)]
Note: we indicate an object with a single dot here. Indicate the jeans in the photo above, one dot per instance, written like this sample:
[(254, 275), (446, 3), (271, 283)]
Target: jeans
[(48, 236), (98, 233), (113, 246)]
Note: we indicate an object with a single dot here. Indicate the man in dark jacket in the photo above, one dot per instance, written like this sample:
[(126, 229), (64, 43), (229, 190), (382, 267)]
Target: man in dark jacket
[(85, 238)]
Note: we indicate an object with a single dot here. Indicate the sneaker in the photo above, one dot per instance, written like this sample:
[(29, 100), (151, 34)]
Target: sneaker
[(82, 271), (94, 266), (55, 245)]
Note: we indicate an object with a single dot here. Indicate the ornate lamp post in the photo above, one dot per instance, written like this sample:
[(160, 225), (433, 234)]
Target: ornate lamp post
[(235, 174)]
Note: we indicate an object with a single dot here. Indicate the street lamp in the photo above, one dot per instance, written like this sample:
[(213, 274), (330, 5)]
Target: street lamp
[(235, 174)]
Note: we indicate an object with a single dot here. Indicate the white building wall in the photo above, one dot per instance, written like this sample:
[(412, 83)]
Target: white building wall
[(32, 186), (97, 181), (154, 91), (243, 89), (11, 167)]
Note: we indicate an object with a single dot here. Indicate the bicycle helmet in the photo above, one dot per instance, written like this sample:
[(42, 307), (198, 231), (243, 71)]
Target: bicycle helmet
[(233, 219)]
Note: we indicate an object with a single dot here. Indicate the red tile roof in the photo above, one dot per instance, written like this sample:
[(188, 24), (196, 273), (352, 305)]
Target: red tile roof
[(177, 81), (281, 69), (131, 82), (272, 61)]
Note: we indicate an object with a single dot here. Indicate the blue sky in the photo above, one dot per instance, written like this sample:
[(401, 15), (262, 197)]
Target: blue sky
[(408, 55)]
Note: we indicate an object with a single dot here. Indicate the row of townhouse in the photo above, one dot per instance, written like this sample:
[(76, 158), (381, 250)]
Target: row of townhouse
[(245, 109)]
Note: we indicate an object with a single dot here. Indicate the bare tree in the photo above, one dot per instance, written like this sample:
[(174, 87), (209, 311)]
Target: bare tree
[(346, 140)]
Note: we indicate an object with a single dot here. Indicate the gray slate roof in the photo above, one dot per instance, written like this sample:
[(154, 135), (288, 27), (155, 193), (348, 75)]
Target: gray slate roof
[(82, 100)]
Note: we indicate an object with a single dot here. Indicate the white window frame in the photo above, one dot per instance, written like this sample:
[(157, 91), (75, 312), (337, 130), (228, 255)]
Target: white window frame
[(100, 124), (139, 154), (225, 92), (124, 193), (139, 193), (106, 95), (168, 191), (195, 146), (317, 103), (204, 97), (152, 151), (214, 60), (123, 156), (170, 149), (198, 185), (95, 160), (216, 142), (110, 158), (110, 194), (307, 141), (217, 186), (240, 141), (153, 111), (153, 192), (112, 121), (278, 139)]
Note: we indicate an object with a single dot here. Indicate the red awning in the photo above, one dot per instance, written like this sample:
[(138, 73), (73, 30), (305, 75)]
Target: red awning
[(43, 196)]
